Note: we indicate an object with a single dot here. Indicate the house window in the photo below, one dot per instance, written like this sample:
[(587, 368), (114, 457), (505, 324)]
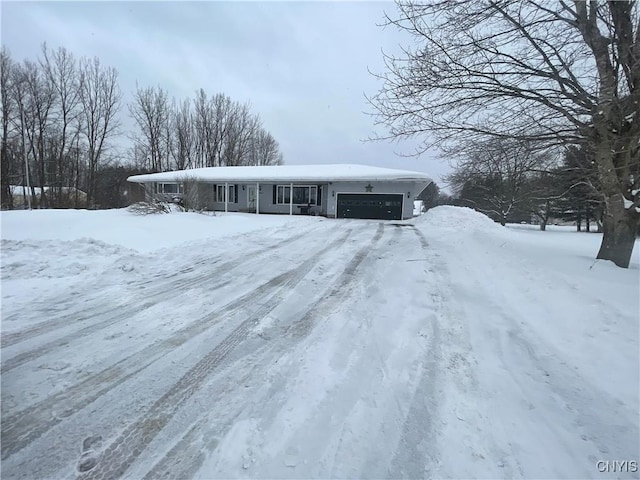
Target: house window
[(169, 188), (219, 193), (284, 193), (302, 195)]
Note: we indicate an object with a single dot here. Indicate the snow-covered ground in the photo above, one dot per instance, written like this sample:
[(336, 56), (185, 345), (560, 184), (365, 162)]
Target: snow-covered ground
[(192, 346)]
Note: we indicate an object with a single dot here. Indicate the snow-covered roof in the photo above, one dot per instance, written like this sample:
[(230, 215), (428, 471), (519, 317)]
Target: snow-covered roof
[(286, 173)]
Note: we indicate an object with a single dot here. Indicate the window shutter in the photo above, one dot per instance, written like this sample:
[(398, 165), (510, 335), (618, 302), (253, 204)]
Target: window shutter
[(235, 193), (319, 195), (275, 190)]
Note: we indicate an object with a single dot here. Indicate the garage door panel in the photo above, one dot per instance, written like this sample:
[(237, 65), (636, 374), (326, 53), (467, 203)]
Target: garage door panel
[(377, 206)]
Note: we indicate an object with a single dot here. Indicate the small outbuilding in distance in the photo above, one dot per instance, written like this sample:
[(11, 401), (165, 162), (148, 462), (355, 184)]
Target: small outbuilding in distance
[(337, 191)]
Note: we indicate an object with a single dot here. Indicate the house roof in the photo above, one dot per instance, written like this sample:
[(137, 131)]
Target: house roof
[(286, 173)]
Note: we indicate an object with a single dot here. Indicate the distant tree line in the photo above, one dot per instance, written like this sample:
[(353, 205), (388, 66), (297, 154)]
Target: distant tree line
[(62, 131), (511, 182)]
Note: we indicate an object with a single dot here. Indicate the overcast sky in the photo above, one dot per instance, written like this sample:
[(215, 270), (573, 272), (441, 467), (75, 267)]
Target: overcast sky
[(302, 65)]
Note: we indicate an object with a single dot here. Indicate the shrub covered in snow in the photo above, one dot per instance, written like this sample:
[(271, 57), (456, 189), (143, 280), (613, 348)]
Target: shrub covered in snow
[(148, 208)]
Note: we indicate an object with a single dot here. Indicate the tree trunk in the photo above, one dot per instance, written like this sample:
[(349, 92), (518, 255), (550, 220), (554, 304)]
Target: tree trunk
[(620, 226), (35, 200), (5, 192), (544, 218), (579, 220)]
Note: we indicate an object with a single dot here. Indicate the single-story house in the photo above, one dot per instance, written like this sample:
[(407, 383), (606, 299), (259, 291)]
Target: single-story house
[(338, 191)]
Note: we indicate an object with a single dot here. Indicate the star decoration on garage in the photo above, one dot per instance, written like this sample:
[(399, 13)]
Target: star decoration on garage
[(368, 188)]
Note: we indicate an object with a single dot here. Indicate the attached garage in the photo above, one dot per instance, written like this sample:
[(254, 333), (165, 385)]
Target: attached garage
[(379, 206)]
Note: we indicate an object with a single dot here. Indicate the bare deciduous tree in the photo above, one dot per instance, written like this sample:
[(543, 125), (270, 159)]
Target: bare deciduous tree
[(6, 97), (242, 126), (494, 175), (212, 120), (151, 111), (226, 133), (100, 99), (38, 97), (60, 67), (184, 136), (265, 149), (551, 73)]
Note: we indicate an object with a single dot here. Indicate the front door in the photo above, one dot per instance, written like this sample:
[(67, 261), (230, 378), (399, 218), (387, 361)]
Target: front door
[(251, 197)]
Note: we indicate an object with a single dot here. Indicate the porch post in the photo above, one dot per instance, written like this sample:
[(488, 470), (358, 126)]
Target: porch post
[(226, 197), (257, 198), (291, 199)]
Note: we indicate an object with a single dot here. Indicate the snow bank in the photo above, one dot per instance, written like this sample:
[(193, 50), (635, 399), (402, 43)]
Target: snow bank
[(446, 217), (55, 258), (559, 243), (144, 233)]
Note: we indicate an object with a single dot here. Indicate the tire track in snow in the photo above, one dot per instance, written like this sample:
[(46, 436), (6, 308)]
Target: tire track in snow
[(422, 239), (124, 450), (186, 457), (183, 461), (416, 445), (599, 418), (153, 294), (124, 313), (22, 428), (323, 305)]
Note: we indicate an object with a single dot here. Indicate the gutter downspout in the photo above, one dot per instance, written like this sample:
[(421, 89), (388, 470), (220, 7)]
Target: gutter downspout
[(226, 197)]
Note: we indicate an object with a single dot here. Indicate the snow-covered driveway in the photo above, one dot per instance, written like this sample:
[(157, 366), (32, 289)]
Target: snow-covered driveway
[(331, 349)]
